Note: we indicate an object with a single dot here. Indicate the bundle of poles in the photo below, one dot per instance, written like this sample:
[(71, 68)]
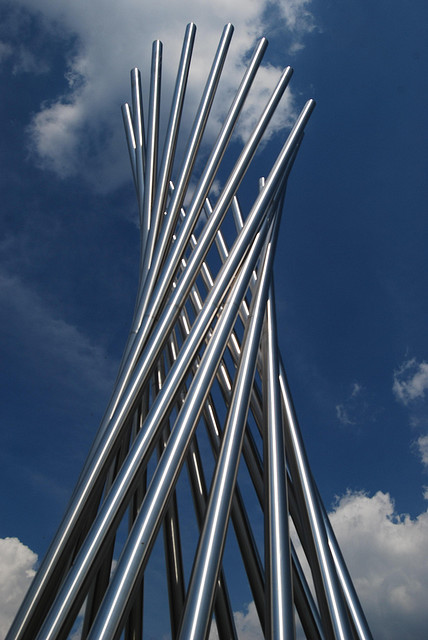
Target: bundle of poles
[(201, 361)]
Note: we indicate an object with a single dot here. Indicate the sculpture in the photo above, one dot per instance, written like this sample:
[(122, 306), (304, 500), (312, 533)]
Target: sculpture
[(202, 343)]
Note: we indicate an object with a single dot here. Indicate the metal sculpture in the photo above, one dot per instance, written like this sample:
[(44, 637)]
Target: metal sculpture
[(203, 344)]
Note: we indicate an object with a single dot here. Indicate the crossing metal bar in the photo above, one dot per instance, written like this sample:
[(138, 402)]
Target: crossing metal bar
[(201, 361)]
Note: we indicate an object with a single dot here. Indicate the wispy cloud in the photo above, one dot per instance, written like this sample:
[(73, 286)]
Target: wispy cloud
[(410, 381), (17, 564), (24, 61), (410, 384), (14, 53), (422, 443), (357, 408), (346, 411), (342, 414), (80, 126)]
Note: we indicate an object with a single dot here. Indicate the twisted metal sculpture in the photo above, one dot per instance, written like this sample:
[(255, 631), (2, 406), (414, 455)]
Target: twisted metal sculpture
[(203, 344)]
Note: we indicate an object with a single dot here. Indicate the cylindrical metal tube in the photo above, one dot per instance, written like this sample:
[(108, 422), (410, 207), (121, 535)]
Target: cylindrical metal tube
[(223, 610), (86, 535), (150, 173), (188, 163), (200, 594), (130, 140), (198, 255), (352, 600), (331, 587), (114, 503), (189, 275), (170, 143), (138, 546), (157, 293), (280, 597), (130, 356), (140, 143)]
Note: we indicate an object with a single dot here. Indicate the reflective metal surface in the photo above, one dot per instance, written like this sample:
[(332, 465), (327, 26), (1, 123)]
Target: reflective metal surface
[(200, 376)]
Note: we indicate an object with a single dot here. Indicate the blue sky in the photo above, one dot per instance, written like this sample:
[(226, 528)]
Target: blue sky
[(351, 265)]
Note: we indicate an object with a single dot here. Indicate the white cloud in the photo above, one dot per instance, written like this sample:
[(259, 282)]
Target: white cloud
[(342, 415), (422, 443), (356, 389), (296, 14), (81, 128), (357, 409), (410, 381), (246, 622), (16, 573), (386, 554)]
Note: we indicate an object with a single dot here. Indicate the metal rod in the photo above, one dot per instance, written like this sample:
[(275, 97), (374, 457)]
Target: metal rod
[(196, 340), (190, 155), (304, 602), (247, 545), (172, 541), (139, 543), (134, 625), (199, 600), (332, 591), (244, 535), (354, 606), (170, 144), (130, 140), (152, 146), (240, 519), (156, 294), (223, 610), (140, 143), (114, 502), (128, 361), (281, 610)]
